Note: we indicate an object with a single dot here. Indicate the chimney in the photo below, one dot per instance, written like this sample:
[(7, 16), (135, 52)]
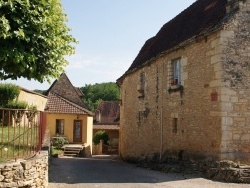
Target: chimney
[(98, 116)]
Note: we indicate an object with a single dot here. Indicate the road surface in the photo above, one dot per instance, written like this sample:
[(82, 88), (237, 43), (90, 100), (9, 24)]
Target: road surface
[(110, 172)]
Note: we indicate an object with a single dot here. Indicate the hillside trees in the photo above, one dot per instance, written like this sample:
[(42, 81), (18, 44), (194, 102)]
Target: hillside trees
[(34, 39), (95, 93)]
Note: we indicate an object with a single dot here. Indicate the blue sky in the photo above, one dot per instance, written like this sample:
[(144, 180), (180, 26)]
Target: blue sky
[(110, 34)]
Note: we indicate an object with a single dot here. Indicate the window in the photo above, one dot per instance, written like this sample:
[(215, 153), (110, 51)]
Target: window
[(141, 86), (60, 126), (142, 81), (176, 72), (175, 122)]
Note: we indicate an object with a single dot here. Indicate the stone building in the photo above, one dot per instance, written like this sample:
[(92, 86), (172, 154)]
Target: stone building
[(187, 93)]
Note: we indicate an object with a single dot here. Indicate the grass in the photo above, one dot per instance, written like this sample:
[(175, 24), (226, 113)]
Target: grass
[(16, 141)]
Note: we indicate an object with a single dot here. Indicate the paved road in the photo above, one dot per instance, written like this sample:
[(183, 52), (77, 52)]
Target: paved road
[(112, 173)]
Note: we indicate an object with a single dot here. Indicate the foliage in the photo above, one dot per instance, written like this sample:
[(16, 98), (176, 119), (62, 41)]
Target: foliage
[(34, 39), (59, 141), (40, 91), (17, 105), (32, 110), (101, 135), (17, 115), (32, 107), (55, 152), (8, 92), (93, 94)]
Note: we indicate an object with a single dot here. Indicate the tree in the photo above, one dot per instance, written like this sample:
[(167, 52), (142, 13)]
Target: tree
[(8, 92), (101, 135), (93, 94), (34, 39)]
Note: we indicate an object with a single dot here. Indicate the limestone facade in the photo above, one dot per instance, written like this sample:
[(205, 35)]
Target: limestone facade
[(207, 114)]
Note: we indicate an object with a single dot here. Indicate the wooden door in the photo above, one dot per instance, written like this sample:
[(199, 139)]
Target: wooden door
[(77, 134)]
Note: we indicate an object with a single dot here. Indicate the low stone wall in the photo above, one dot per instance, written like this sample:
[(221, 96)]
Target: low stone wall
[(25, 173), (227, 171)]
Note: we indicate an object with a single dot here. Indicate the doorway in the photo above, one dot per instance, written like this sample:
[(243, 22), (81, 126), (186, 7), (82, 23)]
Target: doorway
[(77, 134)]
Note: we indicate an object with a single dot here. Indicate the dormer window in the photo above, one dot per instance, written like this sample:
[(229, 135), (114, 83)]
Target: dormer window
[(176, 72)]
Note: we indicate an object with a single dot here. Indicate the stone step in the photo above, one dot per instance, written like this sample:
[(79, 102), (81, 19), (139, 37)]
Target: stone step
[(72, 151), (67, 151)]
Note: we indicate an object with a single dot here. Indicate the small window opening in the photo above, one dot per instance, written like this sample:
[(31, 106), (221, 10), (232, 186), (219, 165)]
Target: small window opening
[(176, 72), (175, 122)]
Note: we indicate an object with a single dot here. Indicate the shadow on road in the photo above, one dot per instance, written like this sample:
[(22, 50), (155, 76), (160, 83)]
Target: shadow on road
[(105, 169)]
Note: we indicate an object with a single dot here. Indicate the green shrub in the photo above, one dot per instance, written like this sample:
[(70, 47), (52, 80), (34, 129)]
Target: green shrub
[(59, 142), (8, 92), (17, 105), (32, 110), (101, 135), (32, 107)]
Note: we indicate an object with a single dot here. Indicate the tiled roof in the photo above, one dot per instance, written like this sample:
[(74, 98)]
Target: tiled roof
[(108, 112), (79, 92), (64, 88), (202, 16), (106, 127), (58, 104)]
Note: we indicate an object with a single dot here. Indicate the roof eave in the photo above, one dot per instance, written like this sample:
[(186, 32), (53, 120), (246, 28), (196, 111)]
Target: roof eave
[(183, 44)]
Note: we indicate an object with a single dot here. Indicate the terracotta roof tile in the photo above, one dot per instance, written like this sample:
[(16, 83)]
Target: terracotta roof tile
[(64, 88), (108, 112), (58, 104)]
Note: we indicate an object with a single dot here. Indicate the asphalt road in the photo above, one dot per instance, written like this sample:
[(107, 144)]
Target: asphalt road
[(110, 172)]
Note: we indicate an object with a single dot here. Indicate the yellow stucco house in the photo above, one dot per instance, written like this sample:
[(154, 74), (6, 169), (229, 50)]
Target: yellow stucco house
[(66, 113)]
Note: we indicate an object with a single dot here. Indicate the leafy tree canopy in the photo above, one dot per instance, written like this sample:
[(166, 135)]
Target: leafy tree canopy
[(95, 93), (101, 135), (34, 39)]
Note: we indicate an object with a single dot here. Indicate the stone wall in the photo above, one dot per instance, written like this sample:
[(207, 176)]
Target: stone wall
[(236, 92), (147, 122), (227, 171), (25, 173), (204, 118)]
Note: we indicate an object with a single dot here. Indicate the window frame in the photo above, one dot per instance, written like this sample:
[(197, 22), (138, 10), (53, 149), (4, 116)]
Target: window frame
[(142, 85), (60, 126), (176, 72)]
